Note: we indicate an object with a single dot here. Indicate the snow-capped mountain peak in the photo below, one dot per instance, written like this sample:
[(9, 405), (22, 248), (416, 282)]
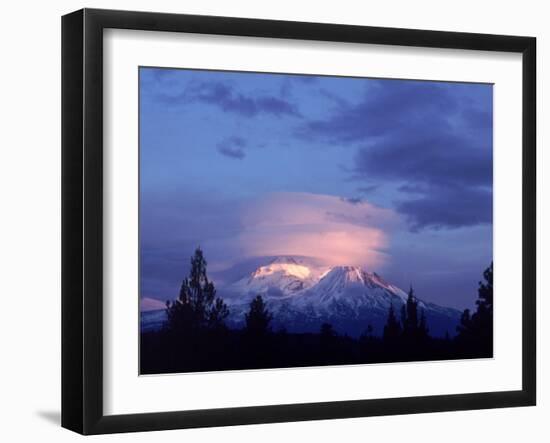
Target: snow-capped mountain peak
[(282, 276), (302, 294), (285, 268), (345, 274)]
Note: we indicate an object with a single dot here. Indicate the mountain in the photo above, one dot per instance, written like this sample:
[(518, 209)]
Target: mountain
[(152, 320), (150, 304), (282, 276), (302, 295)]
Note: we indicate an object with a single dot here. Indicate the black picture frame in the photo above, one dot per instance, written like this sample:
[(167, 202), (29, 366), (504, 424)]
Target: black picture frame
[(82, 217)]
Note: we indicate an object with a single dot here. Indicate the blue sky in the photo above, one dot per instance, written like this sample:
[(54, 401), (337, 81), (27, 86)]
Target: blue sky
[(392, 175)]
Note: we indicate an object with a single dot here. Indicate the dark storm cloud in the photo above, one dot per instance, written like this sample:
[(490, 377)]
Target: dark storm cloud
[(434, 159), (433, 140), (385, 107), (352, 200), (228, 99), (276, 106), (232, 147), (448, 208)]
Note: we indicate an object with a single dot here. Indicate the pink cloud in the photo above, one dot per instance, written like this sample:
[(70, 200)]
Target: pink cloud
[(315, 225)]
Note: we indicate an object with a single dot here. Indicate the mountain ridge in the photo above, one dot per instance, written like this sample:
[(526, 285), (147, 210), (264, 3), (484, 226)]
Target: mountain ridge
[(303, 294)]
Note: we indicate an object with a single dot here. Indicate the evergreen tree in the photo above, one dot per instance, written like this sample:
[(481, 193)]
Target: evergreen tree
[(392, 329), (414, 328), (464, 328), (409, 315), (484, 313), (423, 331), (197, 308), (258, 318), (477, 328)]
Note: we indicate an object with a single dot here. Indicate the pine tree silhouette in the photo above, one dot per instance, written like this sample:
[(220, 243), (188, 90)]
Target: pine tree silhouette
[(476, 330), (258, 318), (464, 328), (409, 315), (197, 307), (392, 329), (423, 331), (484, 313)]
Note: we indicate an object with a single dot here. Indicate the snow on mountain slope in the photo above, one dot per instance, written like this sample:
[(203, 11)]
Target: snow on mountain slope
[(302, 296), (283, 276), (341, 281)]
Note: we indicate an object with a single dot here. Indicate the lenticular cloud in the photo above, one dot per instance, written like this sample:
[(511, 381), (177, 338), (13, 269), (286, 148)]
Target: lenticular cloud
[(316, 225)]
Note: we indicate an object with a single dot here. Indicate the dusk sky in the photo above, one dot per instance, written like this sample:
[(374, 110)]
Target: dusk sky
[(391, 175)]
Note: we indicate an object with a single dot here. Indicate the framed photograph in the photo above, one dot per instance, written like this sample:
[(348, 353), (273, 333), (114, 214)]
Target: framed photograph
[(269, 221)]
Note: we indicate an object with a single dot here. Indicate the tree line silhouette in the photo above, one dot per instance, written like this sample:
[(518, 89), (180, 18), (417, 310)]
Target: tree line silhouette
[(196, 338)]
